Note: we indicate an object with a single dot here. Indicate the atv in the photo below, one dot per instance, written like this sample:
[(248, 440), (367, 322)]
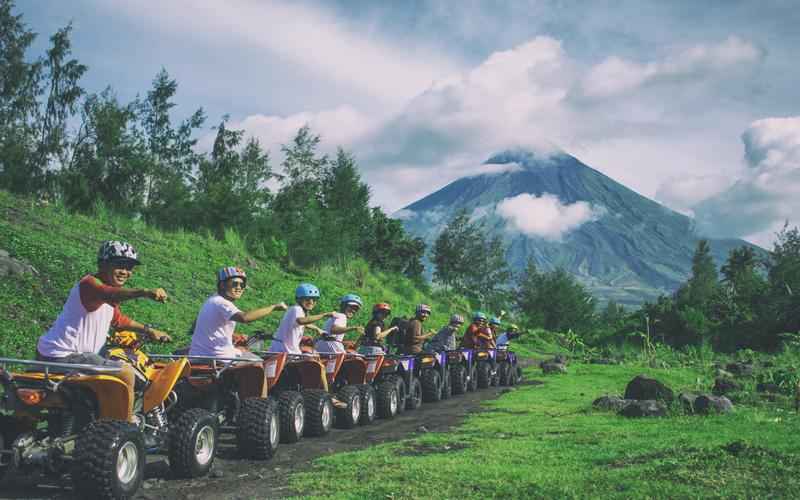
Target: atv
[(508, 370), (486, 367), (432, 370), (347, 377), (62, 417), (401, 371), (463, 373), (386, 388)]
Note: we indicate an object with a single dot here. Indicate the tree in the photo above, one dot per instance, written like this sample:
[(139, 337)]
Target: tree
[(388, 247), (346, 202), (451, 252), (555, 300)]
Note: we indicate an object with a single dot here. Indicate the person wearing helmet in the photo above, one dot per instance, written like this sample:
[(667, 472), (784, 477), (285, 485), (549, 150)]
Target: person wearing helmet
[(445, 339), (375, 332), (297, 319), (506, 337), (92, 309), (336, 326), (213, 331), (414, 337), (476, 332)]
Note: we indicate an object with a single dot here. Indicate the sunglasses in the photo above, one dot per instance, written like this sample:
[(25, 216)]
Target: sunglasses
[(238, 284), (128, 266)]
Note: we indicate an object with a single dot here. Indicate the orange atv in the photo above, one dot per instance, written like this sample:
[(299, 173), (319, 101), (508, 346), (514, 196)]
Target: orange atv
[(347, 378), (61, 417)]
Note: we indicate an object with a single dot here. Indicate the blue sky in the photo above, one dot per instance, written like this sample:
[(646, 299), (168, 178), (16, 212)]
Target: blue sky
[(691, 103)]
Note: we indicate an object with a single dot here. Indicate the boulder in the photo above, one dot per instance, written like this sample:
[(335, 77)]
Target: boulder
[(705, 404), (610, 403), (644, 408), (723, 386), (687, 400), (550, 367), (644, 387), (9, 266), (740, 369)]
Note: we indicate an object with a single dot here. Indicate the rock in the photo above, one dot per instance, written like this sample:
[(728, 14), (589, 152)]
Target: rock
[(10, 266), (550, 367), (610, 403), (740, 369), (705, 404), (644, 387), (724, 386), (768, 387), (644, 408), (687, 400)]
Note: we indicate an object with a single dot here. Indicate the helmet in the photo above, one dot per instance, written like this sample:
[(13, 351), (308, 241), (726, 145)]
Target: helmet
[(117, 250), (227, 273), (351, 298), (382, 306), (306, 290), (423, 308), (478, 315), (456, 318), (513, 327), (495, 321)]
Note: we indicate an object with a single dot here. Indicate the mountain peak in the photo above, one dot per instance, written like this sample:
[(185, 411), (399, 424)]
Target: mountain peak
[(530, 159)]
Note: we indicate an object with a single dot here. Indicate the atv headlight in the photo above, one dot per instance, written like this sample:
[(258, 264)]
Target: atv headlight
[(31, 397)]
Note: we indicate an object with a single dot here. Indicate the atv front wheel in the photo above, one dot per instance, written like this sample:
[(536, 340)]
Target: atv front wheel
[(504, 372), (388, 399), (258, 431), (347, 418), (484, 375), (109, 460), (472, 383), (319, 412), (414, 399), (431, 386), (292, 413), (458, 378), (193, 443), (367, 404), (447, 387), (402, 393)]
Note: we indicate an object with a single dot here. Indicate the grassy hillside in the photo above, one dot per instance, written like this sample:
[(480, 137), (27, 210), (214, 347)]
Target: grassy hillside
[(62, 247), (545, 441)]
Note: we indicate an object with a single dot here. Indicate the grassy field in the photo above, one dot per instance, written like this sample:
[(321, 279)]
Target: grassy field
[(62, 247), (545, 441)]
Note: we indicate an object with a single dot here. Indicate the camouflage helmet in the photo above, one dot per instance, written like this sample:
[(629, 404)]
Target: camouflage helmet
[(117, 251)]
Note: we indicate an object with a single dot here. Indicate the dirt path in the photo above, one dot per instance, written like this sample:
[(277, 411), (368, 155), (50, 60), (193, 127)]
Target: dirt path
[(233, 478)]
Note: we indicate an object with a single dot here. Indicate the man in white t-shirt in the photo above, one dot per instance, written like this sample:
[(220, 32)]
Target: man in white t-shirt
[(506, 337), (297, 319), (336, 326), (213, 330)]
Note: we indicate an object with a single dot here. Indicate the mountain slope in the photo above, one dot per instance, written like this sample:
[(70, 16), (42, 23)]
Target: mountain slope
[(632, 249)]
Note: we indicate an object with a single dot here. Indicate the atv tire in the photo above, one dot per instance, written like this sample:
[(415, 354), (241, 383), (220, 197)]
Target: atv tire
[(494, 381), (472, 383), (258, 429), (109, 460), (402, 393), (347, 418), (319, 412), (431, 386), (484, 375), (193, 443), (517, 370), (458, 379), (504, 372), (368, 406), (414, 399), (292, 416), (447, 386), (388, 399), (7, 436)]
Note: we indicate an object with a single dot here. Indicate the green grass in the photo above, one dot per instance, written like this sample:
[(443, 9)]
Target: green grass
[(546, 442), (62, 247)]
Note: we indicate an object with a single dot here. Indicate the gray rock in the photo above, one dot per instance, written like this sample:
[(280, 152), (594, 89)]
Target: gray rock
[(10, 266), (706, 404), (550, 367), (687, 400), (723, 386), (610, 403), (768, 387), (644, 387), (644, 408)]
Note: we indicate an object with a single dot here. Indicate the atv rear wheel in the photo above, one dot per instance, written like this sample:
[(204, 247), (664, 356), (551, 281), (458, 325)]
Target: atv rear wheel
[(494, 380), (7, 436), (388, 399), (484, 375), (258, 429), (517, 370), (458, 378), (402, 393), (347, 418), (504, 371), (414, 399), (109, 460), (431, 386), (447, 386), (292, 416), (193, 443), (368, 408), (472, 383), (319, 412)]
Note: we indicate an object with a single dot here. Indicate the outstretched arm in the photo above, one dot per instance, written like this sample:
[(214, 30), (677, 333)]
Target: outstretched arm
[(256, 314)]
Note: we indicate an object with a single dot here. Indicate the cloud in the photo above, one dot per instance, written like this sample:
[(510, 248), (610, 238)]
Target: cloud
[(404, 214), (545, 216), (616, 75), (768, 193), (684, 192)]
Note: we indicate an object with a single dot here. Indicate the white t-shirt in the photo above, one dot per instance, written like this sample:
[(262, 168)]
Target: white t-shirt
[(502, 339), (287, 338), (213, 330), (338, 319)]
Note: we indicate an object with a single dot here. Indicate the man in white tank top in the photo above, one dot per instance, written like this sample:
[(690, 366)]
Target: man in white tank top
[(92, 308)]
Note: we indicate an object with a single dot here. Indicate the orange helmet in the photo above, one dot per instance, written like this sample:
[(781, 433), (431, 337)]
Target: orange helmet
[(382, 306)]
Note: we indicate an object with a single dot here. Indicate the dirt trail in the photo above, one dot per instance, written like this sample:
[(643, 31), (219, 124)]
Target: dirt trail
[(233, 478)]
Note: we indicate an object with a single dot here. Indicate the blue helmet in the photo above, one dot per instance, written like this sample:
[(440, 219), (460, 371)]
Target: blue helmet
[(478, 315), (351, 298), (495, 321), (305, 290)]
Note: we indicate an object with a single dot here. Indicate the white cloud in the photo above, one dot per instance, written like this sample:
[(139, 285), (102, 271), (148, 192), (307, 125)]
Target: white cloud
[(545, 216), (682, 193), (768, 193), (616, 75)]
